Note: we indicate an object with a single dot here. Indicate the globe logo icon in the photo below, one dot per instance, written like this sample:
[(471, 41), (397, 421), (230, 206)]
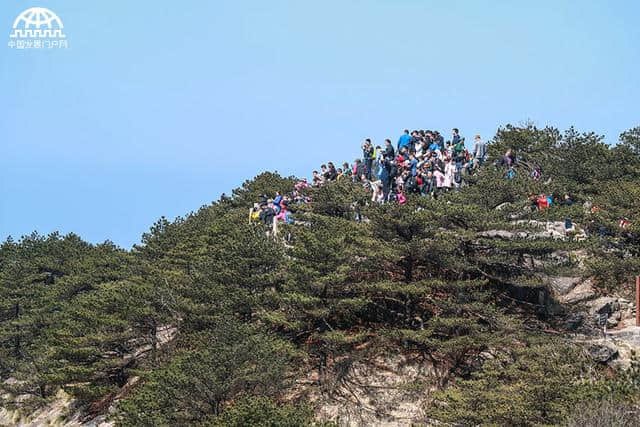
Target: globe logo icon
[(37, 22)]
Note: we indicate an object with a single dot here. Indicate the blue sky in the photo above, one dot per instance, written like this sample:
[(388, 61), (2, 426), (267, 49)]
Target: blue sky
[(156, 108)]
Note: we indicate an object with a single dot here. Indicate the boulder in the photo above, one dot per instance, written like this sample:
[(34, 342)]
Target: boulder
[(602, 352), (557, 227), (503, 206), (564, 285), (496, 234), (582, 292)]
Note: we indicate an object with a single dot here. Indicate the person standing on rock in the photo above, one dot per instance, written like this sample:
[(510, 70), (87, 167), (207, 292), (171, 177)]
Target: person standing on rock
[(479, 151), (368, 156)]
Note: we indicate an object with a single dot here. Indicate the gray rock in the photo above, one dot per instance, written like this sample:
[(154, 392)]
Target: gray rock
[(583, 292), (499, 234), (564, 285), (602, 352)]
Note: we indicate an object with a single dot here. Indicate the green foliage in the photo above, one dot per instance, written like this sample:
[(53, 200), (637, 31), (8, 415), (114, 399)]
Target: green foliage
[(535, 383), (340, 199), (262, 412), (266, 183), (210, 368), (215, 317)]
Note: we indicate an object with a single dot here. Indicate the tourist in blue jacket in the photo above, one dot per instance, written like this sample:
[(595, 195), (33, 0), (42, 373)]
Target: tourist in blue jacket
[(404, 140)]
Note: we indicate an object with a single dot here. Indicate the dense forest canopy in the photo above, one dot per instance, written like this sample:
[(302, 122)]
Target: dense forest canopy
[(210, 320)]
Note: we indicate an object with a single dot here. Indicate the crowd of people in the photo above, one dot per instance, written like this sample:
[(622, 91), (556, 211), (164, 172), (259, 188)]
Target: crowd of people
[(420, 163), (270, 211)]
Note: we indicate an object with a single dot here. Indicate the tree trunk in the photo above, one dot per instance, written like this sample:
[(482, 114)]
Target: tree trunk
[(408, 269)]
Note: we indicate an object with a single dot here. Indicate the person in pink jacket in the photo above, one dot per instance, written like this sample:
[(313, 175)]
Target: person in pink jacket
[(400, 196)]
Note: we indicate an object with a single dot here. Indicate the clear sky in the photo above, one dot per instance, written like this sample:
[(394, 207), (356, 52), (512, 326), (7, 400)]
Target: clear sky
[(157, 107)]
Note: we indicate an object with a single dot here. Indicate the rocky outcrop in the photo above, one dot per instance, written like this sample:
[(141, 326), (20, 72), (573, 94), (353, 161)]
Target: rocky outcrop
[(61, 411), (544, 230), (581, 291), (614, 344), (383, 391)]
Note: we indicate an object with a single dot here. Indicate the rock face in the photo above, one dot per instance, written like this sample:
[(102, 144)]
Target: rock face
[(564, 285), (622, 338), (384, 391), (57, 412), (547, 230), (583, 291)]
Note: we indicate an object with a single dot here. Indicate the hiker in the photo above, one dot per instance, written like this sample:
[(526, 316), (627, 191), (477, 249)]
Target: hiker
[(400, 196), (566, 200), (420, 149), (368, 156), (428, 183), (415, 137), (388, 149), (302, 184), (459, 154), (413, 164), (267, 213), (543, 202), (346, 170), (318, 179), (331, 173), (254, 212), (439, 179), (510, 173), (439, 139), (376, 189), (535, 173), (479, 151), (358, 170), (455, 136), (404, 140), (449, 172), (284, 214), (377, 153), (276, 202), (385, 178), (508, 158), (324, 172)]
